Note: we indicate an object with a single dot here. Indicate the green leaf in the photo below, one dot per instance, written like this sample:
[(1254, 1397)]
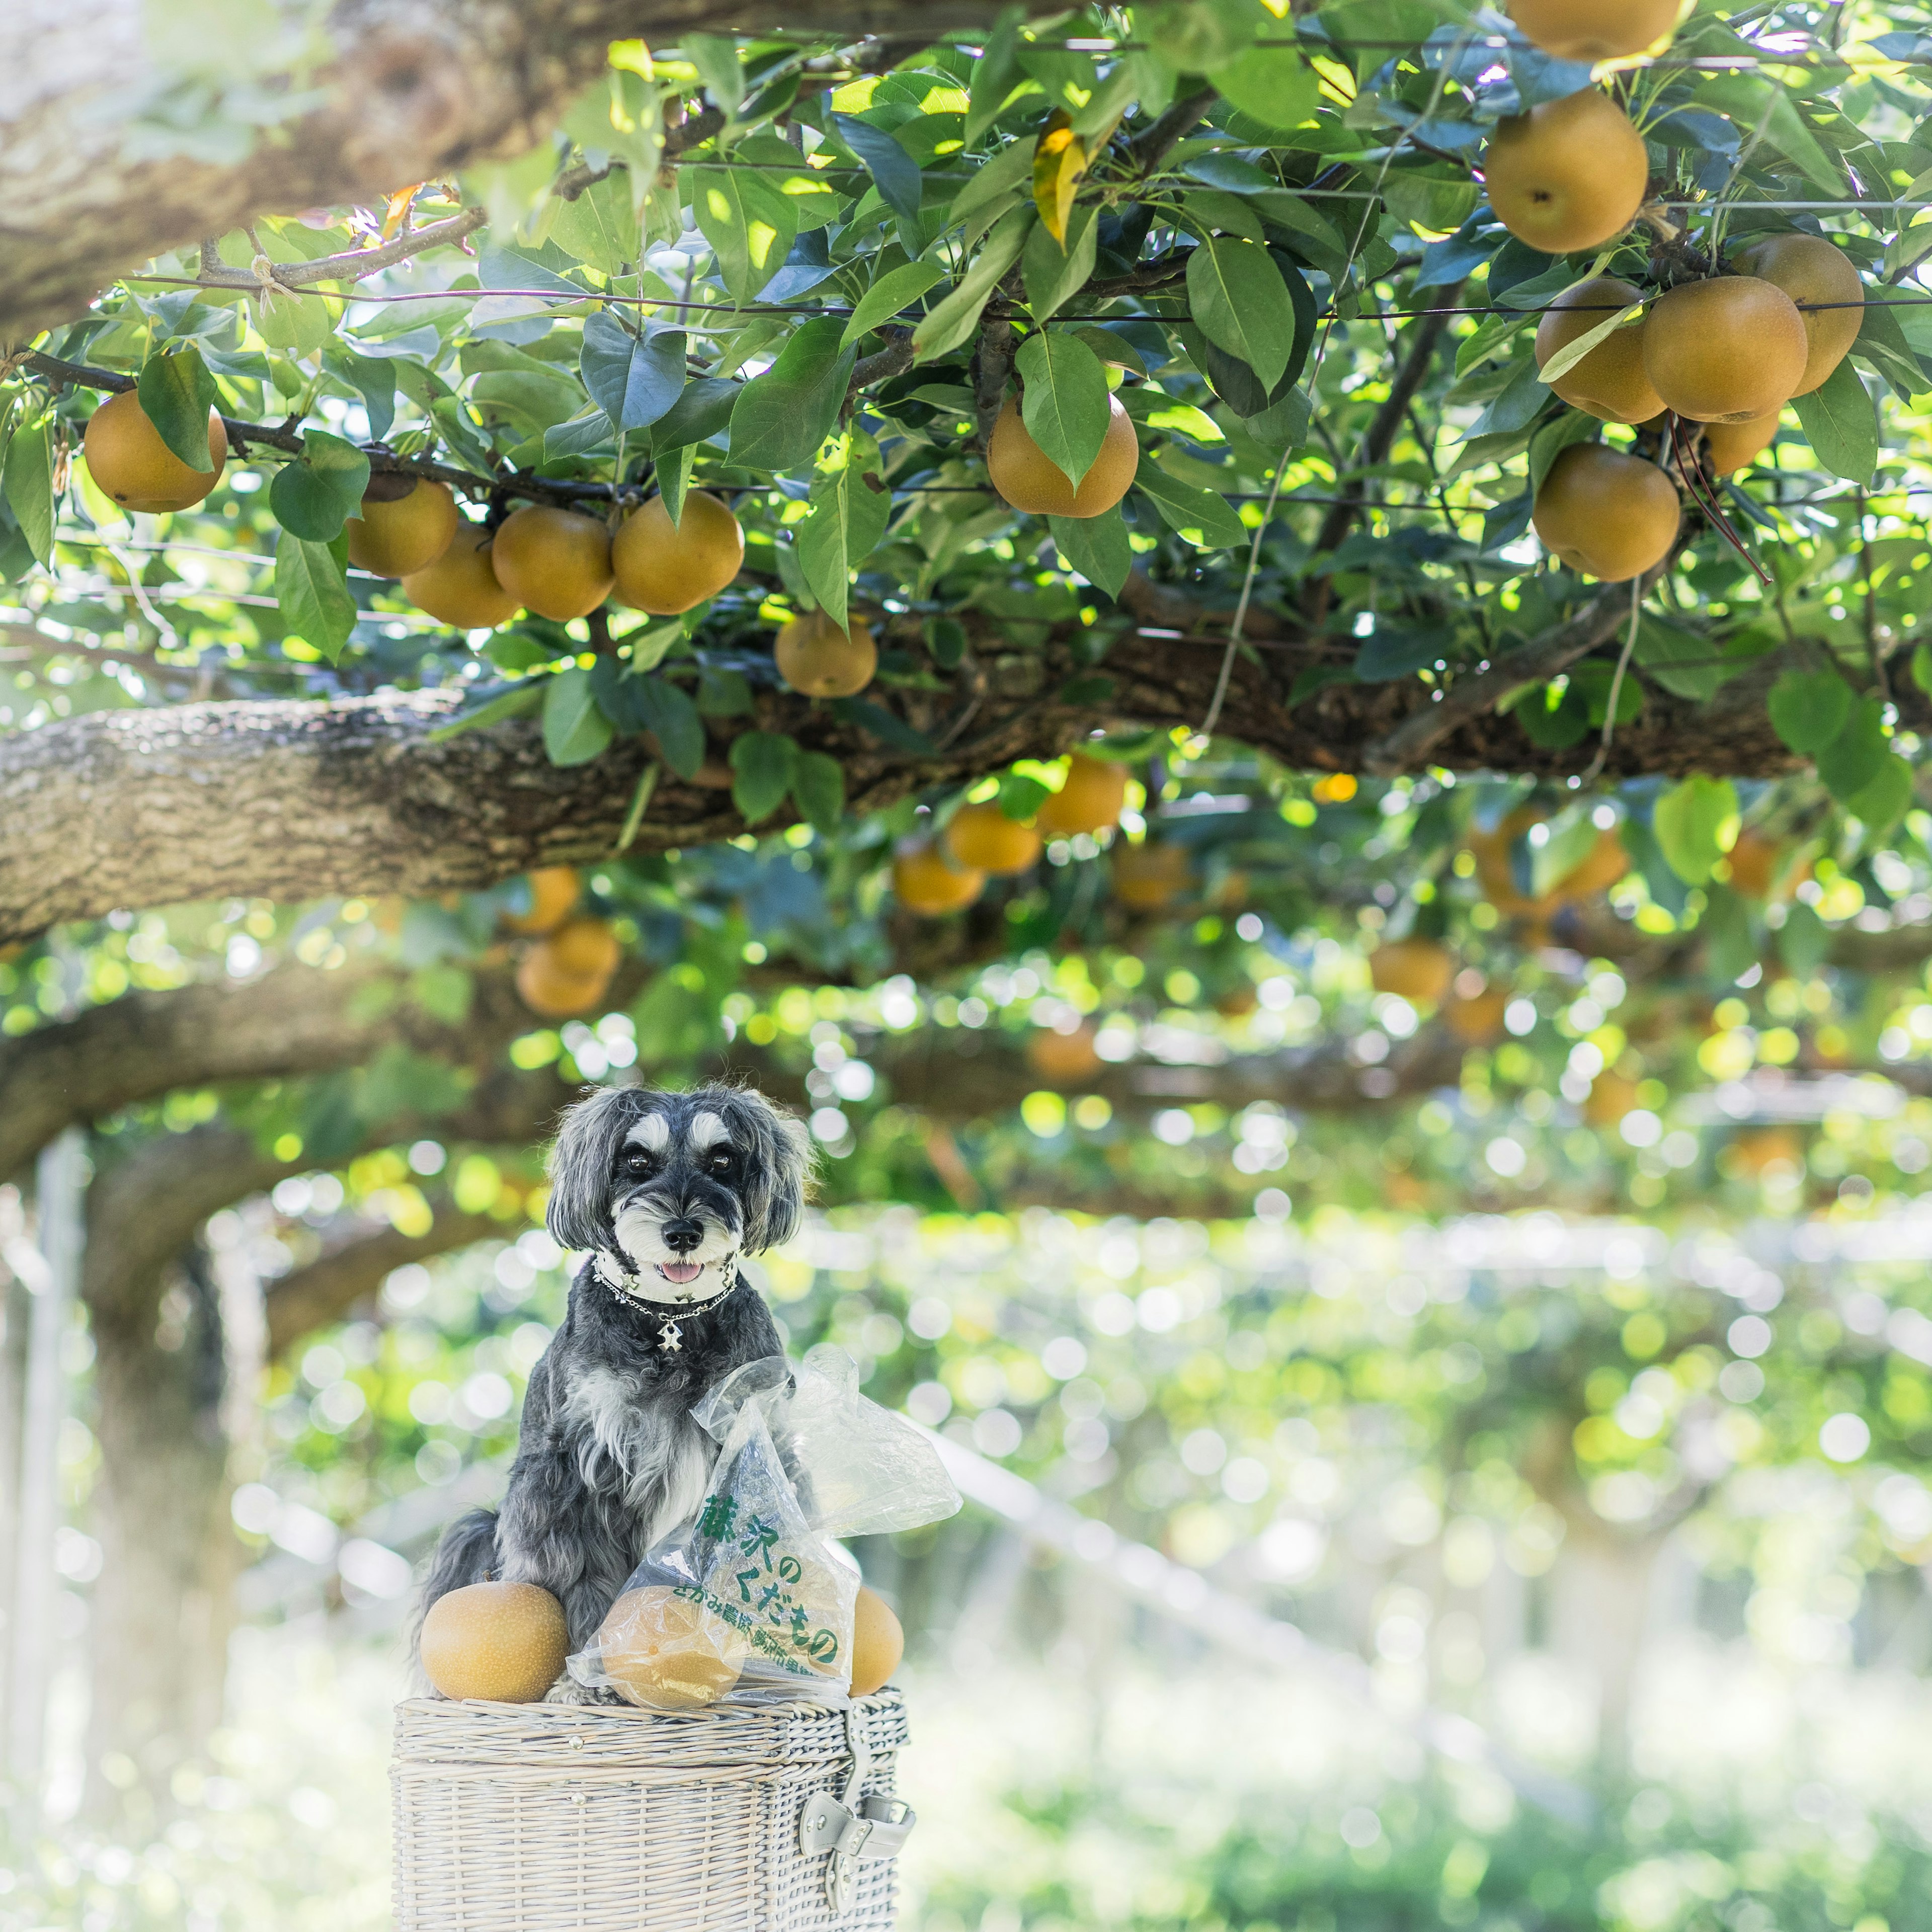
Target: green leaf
[(315, 495), (1240, 303), (818, 789), (749, 223), (1808, 709), (761, 768), (1274, 85), (1882, 341), (1009, 172), (518, 704), (673, 477), (635, 379), (1804, 940), (848, 518), (312, 587), (176, 393), (1567, 358), (671, 717), (1065, 406), (995, 74), (29, 483), (574, 731), (949, 322), (1053, 274), (1841, 425), (1199, 515), (781, 418), (1554, 438), (896, 290), (600, 226), (1097, 546), (1880, 802), (1857, 754), (699, 412), (296, 325), (1695, 823), (894, 172)]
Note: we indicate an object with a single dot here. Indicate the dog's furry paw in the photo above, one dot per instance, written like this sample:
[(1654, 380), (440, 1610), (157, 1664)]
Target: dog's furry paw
[(568, 1691)]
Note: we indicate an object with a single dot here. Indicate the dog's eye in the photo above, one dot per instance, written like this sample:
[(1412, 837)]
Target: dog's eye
[(721, 1163), (636, 1161)]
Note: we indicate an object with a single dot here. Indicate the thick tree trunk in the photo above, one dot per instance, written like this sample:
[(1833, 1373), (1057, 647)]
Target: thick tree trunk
[(288, 800), (1599, 1619), (163, 1607), (93, 181)]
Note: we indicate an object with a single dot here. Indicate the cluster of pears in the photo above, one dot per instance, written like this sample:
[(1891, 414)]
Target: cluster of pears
[(933, 876), (1727, 352), (560, 563), (568, 969), (507, 1643)]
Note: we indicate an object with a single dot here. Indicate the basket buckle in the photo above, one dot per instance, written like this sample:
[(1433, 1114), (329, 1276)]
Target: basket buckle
[(857, 1825)]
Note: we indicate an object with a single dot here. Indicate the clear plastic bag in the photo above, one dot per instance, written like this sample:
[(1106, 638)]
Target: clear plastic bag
[(752, 1598)]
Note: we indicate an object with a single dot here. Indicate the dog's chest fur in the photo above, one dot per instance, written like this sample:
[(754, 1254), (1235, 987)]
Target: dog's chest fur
[(628, 1442)]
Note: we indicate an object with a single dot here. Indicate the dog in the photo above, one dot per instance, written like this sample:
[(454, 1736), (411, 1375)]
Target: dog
[(666, 1192)]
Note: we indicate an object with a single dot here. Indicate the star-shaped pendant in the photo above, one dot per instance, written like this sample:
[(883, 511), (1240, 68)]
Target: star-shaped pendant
[(671, 1339)]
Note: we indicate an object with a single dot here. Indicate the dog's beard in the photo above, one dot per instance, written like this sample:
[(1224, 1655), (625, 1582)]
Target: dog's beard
[(696, 1274)]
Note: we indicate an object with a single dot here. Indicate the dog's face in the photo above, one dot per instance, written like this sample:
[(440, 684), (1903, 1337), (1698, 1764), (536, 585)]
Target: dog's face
[(678, 1185)]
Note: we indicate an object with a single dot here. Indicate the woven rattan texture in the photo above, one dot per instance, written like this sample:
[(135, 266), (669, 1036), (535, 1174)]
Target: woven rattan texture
[(561, 1818)]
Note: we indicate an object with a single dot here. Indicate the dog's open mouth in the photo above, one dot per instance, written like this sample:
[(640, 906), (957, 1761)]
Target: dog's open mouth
[(680, 1272)]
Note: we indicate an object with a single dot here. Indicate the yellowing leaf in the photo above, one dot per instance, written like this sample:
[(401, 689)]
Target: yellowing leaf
[(1059, 161), (397, 212)]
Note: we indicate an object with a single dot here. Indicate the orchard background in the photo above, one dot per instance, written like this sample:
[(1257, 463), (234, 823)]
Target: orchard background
[(1394, 1172)]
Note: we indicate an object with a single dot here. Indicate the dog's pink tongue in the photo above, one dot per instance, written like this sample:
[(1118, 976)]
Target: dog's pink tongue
[(680, 1271)]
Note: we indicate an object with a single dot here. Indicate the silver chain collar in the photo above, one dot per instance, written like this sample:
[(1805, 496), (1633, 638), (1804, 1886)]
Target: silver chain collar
[(670, 1336)]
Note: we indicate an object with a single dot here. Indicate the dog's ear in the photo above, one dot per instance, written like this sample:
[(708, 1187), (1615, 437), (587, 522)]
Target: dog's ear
[(778, 1165), (582, 1164)]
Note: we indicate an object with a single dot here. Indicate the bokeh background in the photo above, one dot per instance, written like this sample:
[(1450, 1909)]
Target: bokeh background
[(1511, 1512)]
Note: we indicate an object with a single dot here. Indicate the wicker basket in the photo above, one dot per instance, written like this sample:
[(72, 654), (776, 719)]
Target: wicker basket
[(541, 1817)]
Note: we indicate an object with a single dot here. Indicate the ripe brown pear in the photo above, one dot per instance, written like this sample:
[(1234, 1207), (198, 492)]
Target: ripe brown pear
[(1609, 382), (816, 657), (1090, 798), (129, 461), (1730, 447), (663, 568), (982, 839), (1420, 970), (552, 561), (396, 536), (1151, 876), (1725, 350), (878, 1642), (927, 882), (554, 891), (505, 1642), (1029, 480), (460, 587), (1610, 516), (1594, 30), (1809, 269), (1568, 175), (662, 1650)]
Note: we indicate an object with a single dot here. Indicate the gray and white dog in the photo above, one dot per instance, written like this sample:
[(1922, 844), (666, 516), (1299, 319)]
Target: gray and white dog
[(665, 1192)]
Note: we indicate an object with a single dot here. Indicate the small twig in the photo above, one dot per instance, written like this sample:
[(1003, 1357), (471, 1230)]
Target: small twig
[(349, 267), (1149, 149), (640, 800), (287, 438), (1594, 770)]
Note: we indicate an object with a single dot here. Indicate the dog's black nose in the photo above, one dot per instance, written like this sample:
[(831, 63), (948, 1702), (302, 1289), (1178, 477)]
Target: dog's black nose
[(683, 1234)]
